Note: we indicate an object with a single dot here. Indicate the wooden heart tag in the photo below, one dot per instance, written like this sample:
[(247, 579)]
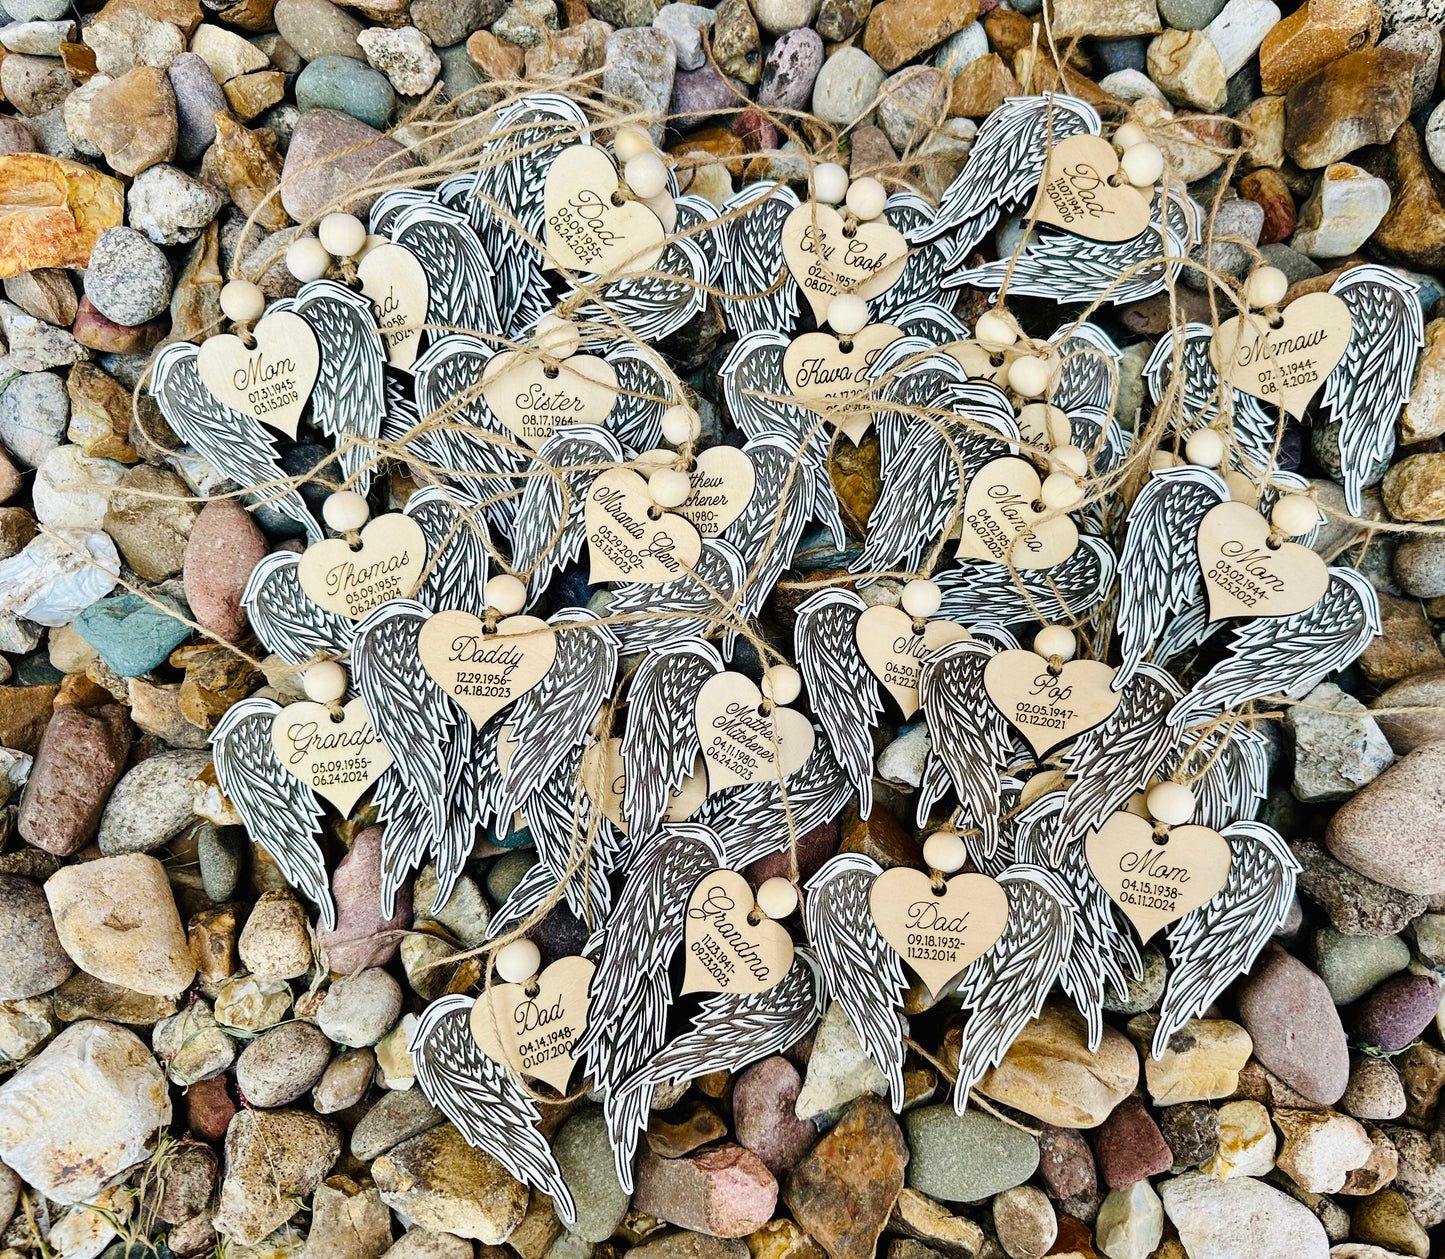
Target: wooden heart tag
[(338, 760), (740, 742), (605, 777), (1155, 884), (587, 229), (723, 483), (395, 281), (626, 543), (895, 652), (271, 381), (727, 951), (1075, 192), (1002, 518), (534, 398), (1049, 709), (1284, 365), (485, 672), (825, 260), (390, 565), (821, 368), (533, 1032), (938, 934), (1245, 576)]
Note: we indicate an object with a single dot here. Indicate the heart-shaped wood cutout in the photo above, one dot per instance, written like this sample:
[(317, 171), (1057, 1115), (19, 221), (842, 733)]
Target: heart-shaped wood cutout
[(587, 229), (741, 743), (533, 1032), (1002, 518), (395, 281), (338, 760), (821, 368), (727, 951), (1155, 884), (1075, 192), (1245, 576), (485, 672), (534, 398), (271, 381), (981, 363), (1285, 365), (605, 776), (938, 934), (723, 482), (625, 541), (1050, 709), (895, 652), (826, 260), (390, 565)]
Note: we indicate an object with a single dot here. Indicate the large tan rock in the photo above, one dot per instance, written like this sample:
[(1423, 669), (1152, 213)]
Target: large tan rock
[(1394, 830), (117, 919), (439, 1181), (51, 211), (1202, 1061), (82, 1112), (1050, 1073)]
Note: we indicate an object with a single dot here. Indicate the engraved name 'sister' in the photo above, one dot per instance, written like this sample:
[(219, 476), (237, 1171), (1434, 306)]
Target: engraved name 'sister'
[(723, 948)]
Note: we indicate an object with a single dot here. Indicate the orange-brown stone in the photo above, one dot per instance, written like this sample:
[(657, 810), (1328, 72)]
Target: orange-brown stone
[(1412, 233), (899, 30), (51, 211), (247, 165), (1311, 37), (981, 86)]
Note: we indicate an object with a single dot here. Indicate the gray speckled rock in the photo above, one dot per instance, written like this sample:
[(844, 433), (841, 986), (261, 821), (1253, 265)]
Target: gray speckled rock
[(151, 805), (129, 279), (790, 70), (31, 959), (963, 1158), (684, 24), (641, 64), (846, 87), (914, 104), (585, 1159), (360, 1009), (34, 410), (1338, 746), (1352, 965), (198, 97), (283, 1064), (170, 206), (1356, 905), (318, 28)]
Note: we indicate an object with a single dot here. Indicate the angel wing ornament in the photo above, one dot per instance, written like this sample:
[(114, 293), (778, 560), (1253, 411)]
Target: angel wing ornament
[(288, 623), (349, 397), (236, 445), (630, 993), (700, 603), (460, 288), (927, 262), (281, 812), (978, 592), (507, 195), (488, 1105), (1367, 388), (1004, 167), (733, 1030), (1210, 947), (759, 292)]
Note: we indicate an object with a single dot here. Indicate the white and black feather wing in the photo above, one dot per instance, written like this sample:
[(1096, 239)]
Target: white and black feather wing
[(759, 293), (288, 623)]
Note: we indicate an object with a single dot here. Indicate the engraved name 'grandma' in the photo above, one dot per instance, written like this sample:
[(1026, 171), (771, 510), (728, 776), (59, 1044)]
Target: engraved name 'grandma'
[(724, 947)]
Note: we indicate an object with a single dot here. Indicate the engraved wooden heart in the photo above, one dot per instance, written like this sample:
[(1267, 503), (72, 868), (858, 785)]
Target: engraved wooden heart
[(740, 742), (533, 1032), (723, 482), (1155, 884), (390, 565), (485, 672), (825, 260), (1049, 709), (587, 230), (271, 381), (626, 543), (338, 760), (895, 652), (395, 281), (605, 776), (1002, 518), (820, 368), (1075, 192), (1285, 365), (1245, 576), (727, 951), (981, 363), (534, 398), (938, 935)]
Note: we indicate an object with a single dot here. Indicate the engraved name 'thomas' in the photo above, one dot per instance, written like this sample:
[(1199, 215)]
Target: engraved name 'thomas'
[(364, 586)]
